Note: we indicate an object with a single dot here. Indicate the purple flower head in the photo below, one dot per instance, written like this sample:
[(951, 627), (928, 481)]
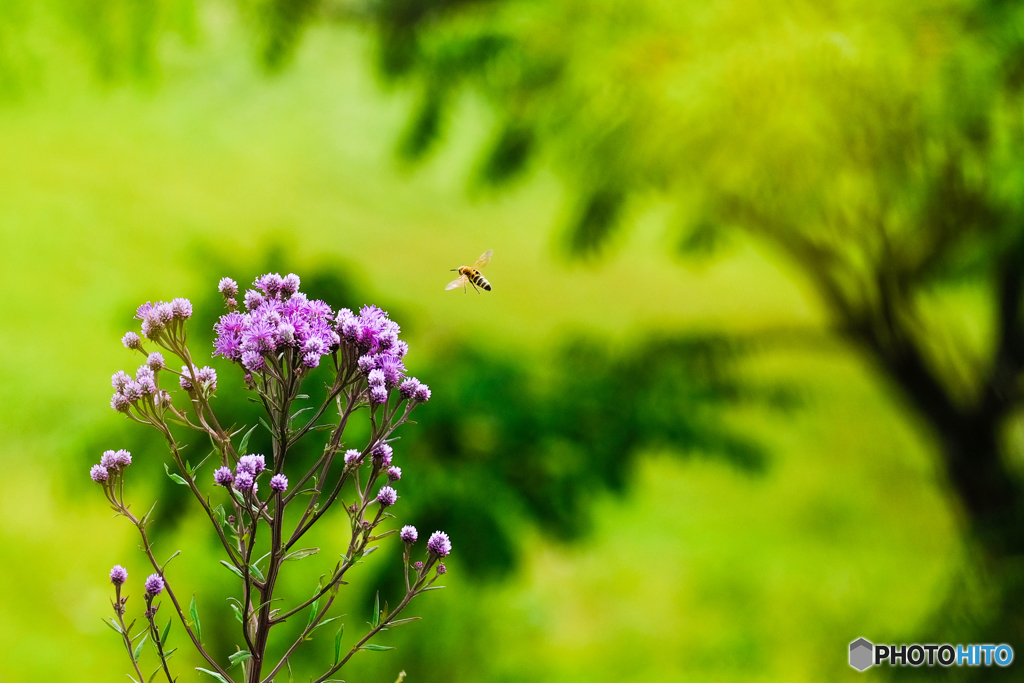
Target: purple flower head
[(132, 391), (181, 309), (120, 403), (131, 341), (378, 395), (223, 477), (422, 393), (381, 452), (124, 458), (367, 363), (387, 496), (228, 287), (253, 299), (253, 464), (409, 534), (270, 284), (401, 349), (144, 374), (207, 376), (409, 387), (120, 380), (185, 379), (311, 360), (154, 585), (394, 473), (441, 569), (285, 334), (289, 285), (417, 565), (244, 480), (109, 460), (439, 544), (118, 575), (98, 473), (353, 456), (279, 483), (155, 361), (375, 378), (393, 370), (253, 361)]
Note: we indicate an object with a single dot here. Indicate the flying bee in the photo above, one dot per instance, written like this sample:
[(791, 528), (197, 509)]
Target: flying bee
[(471, 274)]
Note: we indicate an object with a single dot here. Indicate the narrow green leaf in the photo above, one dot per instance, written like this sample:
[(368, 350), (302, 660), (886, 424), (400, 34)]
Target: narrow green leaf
[(266, 426), (383, 535), (337, 644), (214, 674), (167, 630), (133, 678), (325, 622), (196, 626), (153, 676), (370, 550), (300, 554), (220, 515), (375, 648), (138, 648), (174, 477), (233, 569), (376, 610), (112, 624), (313, 612), (255, 571), (400, 622), (239, 657), (238, 613), (245, 441)]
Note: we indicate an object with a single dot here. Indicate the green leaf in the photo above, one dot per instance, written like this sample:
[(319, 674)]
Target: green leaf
[(233, 569), (238, 613), (214, 674), (133, 678), (138, 648), (400, 622), (375, 648), (239, 657), (267, 426), (312, 612), (194, 613), (337, 644), (220, 515), (255, 571), (324, 623), (192, 472), (300, 554), (167, 630), (370, 550), (376, 611), (245, 441), (112, 624), (153, 676), (174, 477)]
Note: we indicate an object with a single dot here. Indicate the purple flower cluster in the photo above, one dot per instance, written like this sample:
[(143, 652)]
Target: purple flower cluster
[(161, 316), (244, 477), (387, 496), (279, 317), (111, 463), (279, 483), (206, 376), (409, 534)]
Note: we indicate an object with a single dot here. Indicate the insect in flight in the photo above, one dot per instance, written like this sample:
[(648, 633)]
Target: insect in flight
[(471, 274)]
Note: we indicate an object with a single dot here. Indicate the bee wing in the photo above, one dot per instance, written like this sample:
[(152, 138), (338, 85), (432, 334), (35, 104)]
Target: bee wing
[(460, 281), (484, 259)]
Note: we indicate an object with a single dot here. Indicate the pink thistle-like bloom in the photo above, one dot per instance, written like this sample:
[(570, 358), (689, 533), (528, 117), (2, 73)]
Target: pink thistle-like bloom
[(441, 569), (409, 534), (439, 544), (253, 463), (244, 480), (279, 483), (394, 473), (353, 456), (387, 496), (118, 575), (131, 341), (155, 361), (154, 585), (408, 388), (109, 460), (378, 395), (228, 287), (422, 393), (124, 458), (223, 476), (120, 380), (181, 309), (120, 403), (98, 473)]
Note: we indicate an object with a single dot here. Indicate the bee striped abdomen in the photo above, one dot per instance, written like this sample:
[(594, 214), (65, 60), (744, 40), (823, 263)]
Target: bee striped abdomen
[(479, 281)]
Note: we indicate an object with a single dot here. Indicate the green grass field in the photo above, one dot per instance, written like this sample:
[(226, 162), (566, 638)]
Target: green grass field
[(112, 196)]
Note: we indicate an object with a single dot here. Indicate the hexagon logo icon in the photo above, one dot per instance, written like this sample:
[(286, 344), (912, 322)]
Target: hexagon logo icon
[(861, 654)]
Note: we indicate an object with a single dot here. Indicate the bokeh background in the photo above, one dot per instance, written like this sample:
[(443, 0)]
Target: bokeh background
[(746, 388)]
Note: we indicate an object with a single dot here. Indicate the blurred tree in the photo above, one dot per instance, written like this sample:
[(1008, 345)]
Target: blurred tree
[(879, 145)]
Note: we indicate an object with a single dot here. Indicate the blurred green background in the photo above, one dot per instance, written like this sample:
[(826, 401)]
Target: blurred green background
[(674, 458)]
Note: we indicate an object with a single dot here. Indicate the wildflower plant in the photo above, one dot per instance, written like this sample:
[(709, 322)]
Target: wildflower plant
[(276, 338)]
